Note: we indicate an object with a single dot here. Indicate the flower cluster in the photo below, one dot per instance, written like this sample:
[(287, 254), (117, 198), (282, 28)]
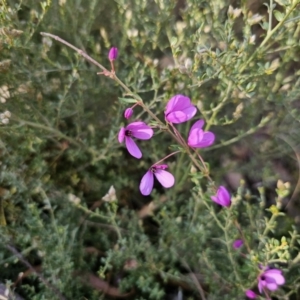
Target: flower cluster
[(179, 109)]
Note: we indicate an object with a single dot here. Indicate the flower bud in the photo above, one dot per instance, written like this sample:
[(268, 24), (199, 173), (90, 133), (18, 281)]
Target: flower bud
[(113, 53), (128, 113), (237, 244)]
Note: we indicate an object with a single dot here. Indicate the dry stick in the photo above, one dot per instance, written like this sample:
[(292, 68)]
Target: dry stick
[(41, 277)]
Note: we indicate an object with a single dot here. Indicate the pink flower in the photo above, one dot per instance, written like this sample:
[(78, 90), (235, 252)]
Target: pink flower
[(222, 197), (128, 113), (179, 109), (237, 244), (113, 53), (139, 130), (199, 138), (270, 279), (250, 294), (165, 178)]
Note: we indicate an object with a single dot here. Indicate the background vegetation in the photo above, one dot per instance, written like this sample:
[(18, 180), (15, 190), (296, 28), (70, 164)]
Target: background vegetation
[(239, 64)]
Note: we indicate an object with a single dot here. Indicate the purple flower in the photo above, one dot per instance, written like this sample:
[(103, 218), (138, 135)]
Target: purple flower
[(113, 53), (199, 138), (139, 130), (179, 109), (270, 279), (165, 178), (222, 197), (237, 244), (250, 294), (128, 113)]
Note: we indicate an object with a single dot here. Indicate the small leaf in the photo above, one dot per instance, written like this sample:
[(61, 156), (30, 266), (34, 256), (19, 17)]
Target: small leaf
[(173, 41), (278, 15), (283, 2), (127, 100)]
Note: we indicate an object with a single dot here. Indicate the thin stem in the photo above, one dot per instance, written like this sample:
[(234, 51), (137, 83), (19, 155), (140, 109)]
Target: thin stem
[(229, 250), (212, 213), (270, 16), (204, 165), (229, 247), (173, 153), (269, 35), (237, 225), (218, 107), (178, 135), (262, 123), (32, 269), (195, 280), (269, 225), (91, 213), (80, 52), (113, 76), (46, 128), (114, 223), (54, 223)]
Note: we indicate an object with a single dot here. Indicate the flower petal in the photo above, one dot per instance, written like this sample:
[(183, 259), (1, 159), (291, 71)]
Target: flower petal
[(121, 135), (165, 178), (216, 199), (208, 139), (140, 130), (261, 285), (190, 112), (250, 294), (146, 184), (197, 125), (177, 102), (176, 117), (132, 148), (223, 196), (195, 137), (199, 138), (276, 275), (272, 286)]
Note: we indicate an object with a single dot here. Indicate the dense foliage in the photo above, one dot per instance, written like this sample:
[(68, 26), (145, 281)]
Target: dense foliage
[(74, 224)]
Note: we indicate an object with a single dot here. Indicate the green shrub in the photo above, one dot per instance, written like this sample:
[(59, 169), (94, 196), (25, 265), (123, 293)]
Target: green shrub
[(71, 212)]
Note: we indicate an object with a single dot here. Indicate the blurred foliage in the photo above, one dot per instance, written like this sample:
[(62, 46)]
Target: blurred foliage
[(60, 154)]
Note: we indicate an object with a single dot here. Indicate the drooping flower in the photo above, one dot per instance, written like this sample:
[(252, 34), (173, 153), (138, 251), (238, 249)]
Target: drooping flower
[(179, 109), (128, 113), (237, 244), (250, 294), (113, 53), (164, 177), (270, 279), (139, 130), (199, 138), (222, 197)]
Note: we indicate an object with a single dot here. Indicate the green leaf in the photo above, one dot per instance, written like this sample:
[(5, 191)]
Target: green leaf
[(283, 2), (278, 15), (173, 41), (127, 100)]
